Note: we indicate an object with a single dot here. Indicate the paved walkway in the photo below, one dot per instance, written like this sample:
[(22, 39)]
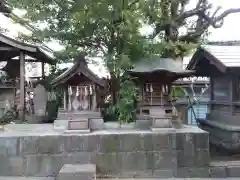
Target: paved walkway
[(51, 178)]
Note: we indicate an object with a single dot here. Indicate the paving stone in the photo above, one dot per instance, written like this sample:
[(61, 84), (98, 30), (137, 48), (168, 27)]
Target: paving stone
[(163, 173), (233, 171), (218, 172), (25, 178), (77, 172), (193, 172), (137, 174)]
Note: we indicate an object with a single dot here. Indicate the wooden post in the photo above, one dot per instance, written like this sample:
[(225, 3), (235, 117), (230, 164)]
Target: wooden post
[(22, 87), (94, 98), (64, 99), (43, 73)]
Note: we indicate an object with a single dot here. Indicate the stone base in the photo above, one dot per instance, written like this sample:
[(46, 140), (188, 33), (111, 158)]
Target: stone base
[(77, 131), (71, 125), (159, 123), (77, 172), (42, 152)]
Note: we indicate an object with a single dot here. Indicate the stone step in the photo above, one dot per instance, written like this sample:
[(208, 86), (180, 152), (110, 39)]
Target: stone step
[(77, 172), (25, 178), (223, 169)]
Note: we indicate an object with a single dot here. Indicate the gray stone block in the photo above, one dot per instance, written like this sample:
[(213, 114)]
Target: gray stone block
[(185, 159), (133, 161), (185, 141), (109, 143), (163, 173), (218, 172), (96, 124), (108, 164), (50, 145), (193, 172), (129, 142), (146, 142), (233, 171), (93, 143), (202, 157), (164, 160), (43, 165), (202, 140), (12, 166), (80, 158), (28, 145), (77, 172), (75, 143), (136, 174), (9, 146), (165, 140)]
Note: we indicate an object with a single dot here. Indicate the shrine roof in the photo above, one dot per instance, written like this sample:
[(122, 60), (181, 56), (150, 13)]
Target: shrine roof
[(156, 64), (79, 67), (222, 57), (10, 48)]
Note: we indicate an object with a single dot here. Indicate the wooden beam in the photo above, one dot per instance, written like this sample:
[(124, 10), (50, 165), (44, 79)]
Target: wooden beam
[(43, 73), (17, 44), (8, 49), (22, 86)]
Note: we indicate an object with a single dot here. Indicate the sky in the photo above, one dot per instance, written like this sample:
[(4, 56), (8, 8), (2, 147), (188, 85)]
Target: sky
[(229, 31)]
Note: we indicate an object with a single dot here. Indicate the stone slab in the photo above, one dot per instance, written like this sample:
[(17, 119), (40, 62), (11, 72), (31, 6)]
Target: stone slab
[(77, 131), (62, 125), (96, 124), (218, 172), (77, 172), (233, 171), (159, 123), (78, 124)]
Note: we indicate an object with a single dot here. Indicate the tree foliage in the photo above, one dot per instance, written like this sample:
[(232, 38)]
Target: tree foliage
[(110, 29)]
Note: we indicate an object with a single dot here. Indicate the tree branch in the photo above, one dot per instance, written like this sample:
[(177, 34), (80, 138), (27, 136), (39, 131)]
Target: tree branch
[(206, 22)]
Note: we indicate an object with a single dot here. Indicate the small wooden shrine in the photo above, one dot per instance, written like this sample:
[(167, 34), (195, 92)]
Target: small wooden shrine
[(80, 87), (222, 65), (155, 77), (16, 53)]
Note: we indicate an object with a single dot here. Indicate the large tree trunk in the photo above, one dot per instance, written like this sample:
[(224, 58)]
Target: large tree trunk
[(114, 88)]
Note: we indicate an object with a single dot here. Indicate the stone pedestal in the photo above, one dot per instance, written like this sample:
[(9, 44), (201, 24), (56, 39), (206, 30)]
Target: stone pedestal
[(159, 123), (72, 126), (160, 119)]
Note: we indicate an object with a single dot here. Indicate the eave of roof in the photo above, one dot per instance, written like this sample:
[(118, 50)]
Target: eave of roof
[(222, 57), (30, 50), (79, 66), (157, 65)]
